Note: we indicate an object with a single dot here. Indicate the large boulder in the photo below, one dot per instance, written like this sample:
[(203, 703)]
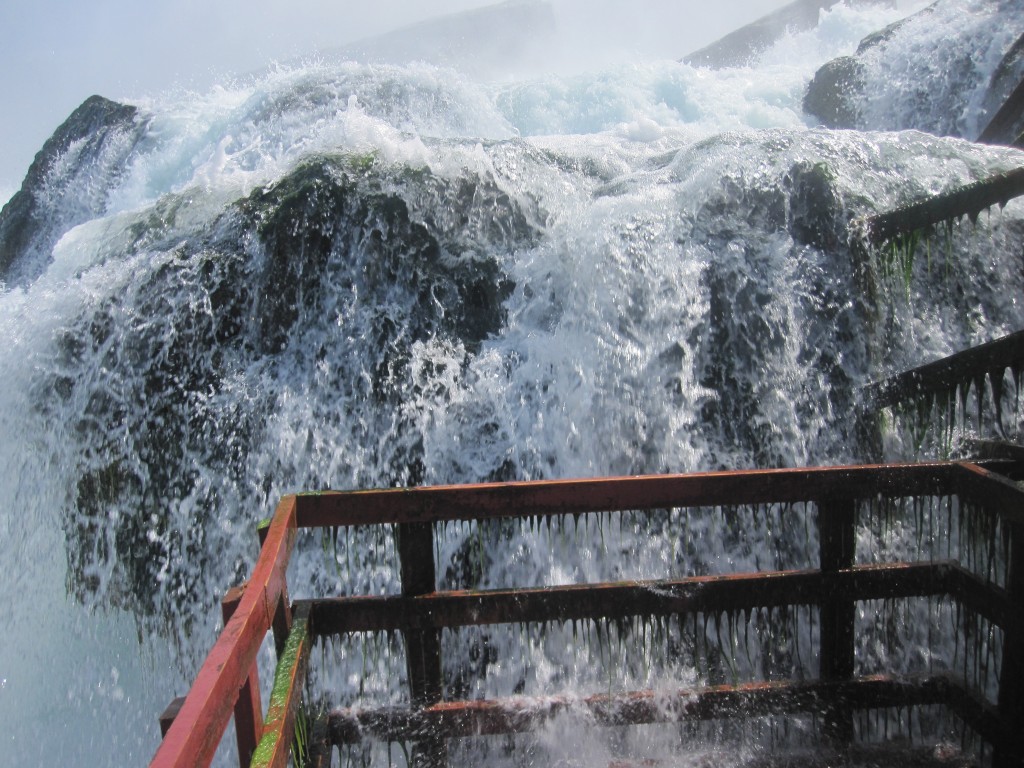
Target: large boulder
[(742, 46), (334, 277), (1007, 123), (68, 183), (927, 72), (833, 93)]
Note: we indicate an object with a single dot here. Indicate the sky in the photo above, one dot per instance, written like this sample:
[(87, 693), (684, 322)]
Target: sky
[(56, 53)]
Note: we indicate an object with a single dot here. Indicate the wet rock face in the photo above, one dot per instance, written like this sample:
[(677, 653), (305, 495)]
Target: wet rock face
[(68, 183), (833, 92), (815, 207), (743, 46), (324, 217), (1003, 107), (342, 266), (924, 73), (740, 47)]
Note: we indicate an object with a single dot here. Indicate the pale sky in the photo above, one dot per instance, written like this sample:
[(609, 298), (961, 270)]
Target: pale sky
[(56, 53)]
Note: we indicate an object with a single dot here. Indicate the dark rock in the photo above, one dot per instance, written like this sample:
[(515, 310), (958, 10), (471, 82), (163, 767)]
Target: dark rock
[(344, 262), (741, 47), (899, 80), (68, 183), (324, 211), (815, 207), (832, 95), (1004, 100), (885, 34)]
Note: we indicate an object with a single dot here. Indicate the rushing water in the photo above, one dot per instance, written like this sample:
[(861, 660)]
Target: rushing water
[(342, 275)]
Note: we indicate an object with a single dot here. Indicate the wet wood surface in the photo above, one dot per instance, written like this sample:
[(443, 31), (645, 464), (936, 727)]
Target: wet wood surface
[(521, 714), (570, 497), (196, 732), (578, 602)]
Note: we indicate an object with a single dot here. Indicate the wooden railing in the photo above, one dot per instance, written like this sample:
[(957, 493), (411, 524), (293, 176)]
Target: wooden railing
[(836, 499), (967, 200), (228, 681), (938, 395), (956, 373)]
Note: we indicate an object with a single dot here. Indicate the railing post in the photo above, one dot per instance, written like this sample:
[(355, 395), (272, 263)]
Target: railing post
[(837, 530), (1011, 677), (168, 715), (248, 712), (422, 647)]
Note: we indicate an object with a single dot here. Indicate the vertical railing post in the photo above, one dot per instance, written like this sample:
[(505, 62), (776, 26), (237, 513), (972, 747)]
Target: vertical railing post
[(836, 530), (248, 712), (168, 715), (1011, 677), (423, 646), (282, 619)]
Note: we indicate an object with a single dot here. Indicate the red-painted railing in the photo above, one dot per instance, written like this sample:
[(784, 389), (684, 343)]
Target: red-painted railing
[(230, 667), (420, 612)]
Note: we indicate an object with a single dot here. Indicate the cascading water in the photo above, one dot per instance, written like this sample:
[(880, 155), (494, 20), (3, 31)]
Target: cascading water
[(344, 275)]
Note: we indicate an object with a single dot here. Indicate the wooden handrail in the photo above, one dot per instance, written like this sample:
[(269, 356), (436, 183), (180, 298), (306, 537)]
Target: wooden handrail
[(961, 369), (545, 498), (274, 746), (196, 732), (967, 200), (420, 612), (990, 489), (577, 602)]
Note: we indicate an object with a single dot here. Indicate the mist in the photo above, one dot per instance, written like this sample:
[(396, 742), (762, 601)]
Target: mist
[(56, 54)]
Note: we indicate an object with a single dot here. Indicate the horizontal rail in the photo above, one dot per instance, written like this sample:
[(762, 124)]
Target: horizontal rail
[(494, 717), (965, 367), (707, 594), (567, 497), (978, 485), (988, 600), (193, 737), (968, 200)]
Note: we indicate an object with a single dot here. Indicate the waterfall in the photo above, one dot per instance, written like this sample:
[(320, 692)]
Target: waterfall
[(341, 274)]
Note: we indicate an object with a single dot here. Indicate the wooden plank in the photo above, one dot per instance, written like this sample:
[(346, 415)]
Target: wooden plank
[(320, 749), (561, 497), (248, 707), (193, 737), (988, 600), (422, 645), (169, 714), (836, 520), (1000, 456), (286, 696), (282, 621), (1011, 676), (734, 592), (521, 714), (837, 536)]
